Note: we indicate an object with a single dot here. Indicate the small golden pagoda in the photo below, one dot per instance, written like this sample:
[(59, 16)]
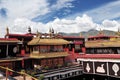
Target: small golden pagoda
[(48, 51), (103, 41)]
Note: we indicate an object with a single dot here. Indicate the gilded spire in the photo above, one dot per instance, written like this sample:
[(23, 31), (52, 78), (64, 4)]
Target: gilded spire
[(80, 34), (52, 30), (29, 29), (49, 30), (56, 35), (7, 30), (38, 34), (101, 32), (118, 32), (118, 29)]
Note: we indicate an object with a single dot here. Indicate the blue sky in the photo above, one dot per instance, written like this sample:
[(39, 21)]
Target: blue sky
[(63, 15), (78, 6)]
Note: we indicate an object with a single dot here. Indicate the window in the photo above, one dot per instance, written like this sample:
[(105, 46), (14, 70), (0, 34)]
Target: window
[(77, 46), (36, 49), (51, 48)]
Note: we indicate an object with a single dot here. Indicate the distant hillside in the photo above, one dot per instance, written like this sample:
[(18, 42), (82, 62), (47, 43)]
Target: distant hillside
[(89, 33)]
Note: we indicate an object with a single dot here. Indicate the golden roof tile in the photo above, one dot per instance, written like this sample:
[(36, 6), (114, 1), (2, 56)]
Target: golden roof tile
[(9, 40), (39, 41)]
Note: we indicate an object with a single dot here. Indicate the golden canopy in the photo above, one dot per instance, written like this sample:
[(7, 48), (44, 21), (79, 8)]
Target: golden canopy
[(39, 41)]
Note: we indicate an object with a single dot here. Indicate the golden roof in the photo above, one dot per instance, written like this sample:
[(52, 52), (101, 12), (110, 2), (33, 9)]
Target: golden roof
[(103, 43), (9, 40), (48, 55), (39, 41)]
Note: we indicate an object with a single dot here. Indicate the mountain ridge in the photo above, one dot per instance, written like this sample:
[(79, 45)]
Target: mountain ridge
[(91, 32)]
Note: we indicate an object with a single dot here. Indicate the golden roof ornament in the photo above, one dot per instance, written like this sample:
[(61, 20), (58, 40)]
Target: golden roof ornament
[(101, 32), (118, 32), (29, 29), (88, 35), (7, 30), (49, 30), (37, 34), (52, 31), (80, 34), (56, 35)]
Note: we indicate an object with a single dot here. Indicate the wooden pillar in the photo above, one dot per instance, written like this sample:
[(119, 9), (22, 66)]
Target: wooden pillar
[(23, 74), (7, 50), (83, 49), (23, 48), (22, 52), (63, 61), (23, 63), (73, 50), (7, 73), (67, 49)]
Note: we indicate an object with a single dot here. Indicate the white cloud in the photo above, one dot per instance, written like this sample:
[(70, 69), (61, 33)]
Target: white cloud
[(78, 24), (21, 26), (18, 10), (25, 8), (61, 4), (20, 13), (21, 8), (83, 23), (111, 25)]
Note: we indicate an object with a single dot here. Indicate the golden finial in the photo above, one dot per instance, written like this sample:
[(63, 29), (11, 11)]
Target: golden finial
[(118, 29), (118, 32), (56, 34), (101, 32), (49, 30), (52, 31), (80, 34), (37, 34), (88, 35), (7, 30), (29, 29)]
